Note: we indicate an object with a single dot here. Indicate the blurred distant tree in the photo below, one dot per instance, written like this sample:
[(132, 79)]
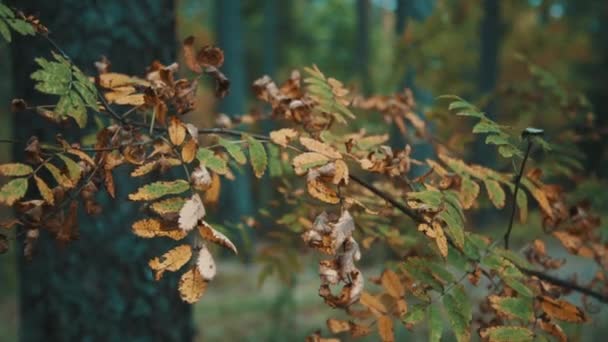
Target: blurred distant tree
[(362, 57), (229, 28), (97, 289)]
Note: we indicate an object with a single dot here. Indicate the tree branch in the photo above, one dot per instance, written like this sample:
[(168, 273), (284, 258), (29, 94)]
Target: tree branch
[(514, 202)]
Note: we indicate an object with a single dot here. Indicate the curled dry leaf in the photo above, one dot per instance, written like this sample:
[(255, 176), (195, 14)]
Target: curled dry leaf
[(192, 211), (192, 286), (337, 326), (172, 261), (320, 147), (177, 131), (283, 136), (340, 173), (210, 234), (205, 264), (210, 56), (201, 179), (190, 55)]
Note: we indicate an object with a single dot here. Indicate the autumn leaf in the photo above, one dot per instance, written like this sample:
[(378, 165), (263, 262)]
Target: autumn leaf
[(45, 191), (74, 170), (205, 264), (157, 190), (15, 169), (385, 328), (149, 228), (320, 147), (189, 151), (208, 233), (495, 193), (13, 191), (192, 286), (168, 205), (341, 173), (207, 158), (177, 131), (507, 334), (192, 211), (234, 150), (257, 155), (144, 169), (190, 55), (562, 310), (172, 261), (392, 284), (372, 302), (337, 326), (283, 136), (307, 160), (321, 191)]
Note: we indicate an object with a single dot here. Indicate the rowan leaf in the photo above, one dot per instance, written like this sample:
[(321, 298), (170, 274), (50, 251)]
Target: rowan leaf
[(13, 191), (308, 160), (192, 286), (320, 147), (495, 193), (321, 191), (435, 323), (74, 170), (234, 149), (513, 307), (392, 284), (145, 169), (562, 310), (150, 228), (386, 329), (189, 151), (208, 159), (15, 169), (507, 334), (522, 205), (208, 233), (257, 156), (205, 264), (469, 190), (45, 191), (59, 177), (337, 326), (157, 190), (283, 136), (172, 261), (168, 206), (177, 131), (459, 312), (192, 211)]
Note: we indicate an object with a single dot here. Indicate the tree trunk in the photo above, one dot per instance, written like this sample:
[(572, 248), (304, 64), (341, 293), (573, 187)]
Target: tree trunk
[(99, 287), (363, 44)]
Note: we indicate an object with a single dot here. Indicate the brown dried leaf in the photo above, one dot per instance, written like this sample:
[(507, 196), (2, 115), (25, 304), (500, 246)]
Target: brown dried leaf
[(149, 228), (385, 328), (337, 326), (205, 264), (341, 173), (322, 192), (562, 310), (307, 160), (189, 55), (372, 302), (210, 56), (45, 191), (189, 151)]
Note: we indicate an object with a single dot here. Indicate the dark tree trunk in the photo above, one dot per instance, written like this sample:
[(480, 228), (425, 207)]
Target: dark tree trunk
[(401, 16), (363, 44), (99, 287), (237, 200)]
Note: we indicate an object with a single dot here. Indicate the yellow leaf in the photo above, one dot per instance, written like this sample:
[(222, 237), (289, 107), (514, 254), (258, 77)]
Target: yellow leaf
[(149, 228), (212, 195), (172, 261), (144, 169), (112, 80), (15, 169), (177, 131), (305, 161), (322, 192), (385, 329), (13, 191), (337, 326), (283, 136), (45, 191), (130, 100), (192, 286), (495, 193), (392, 284), (210, 234), (372, 302), (320, 147), (189, 151), (341, 173)]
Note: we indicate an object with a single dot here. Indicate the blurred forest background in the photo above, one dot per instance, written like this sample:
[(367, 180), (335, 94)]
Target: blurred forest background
[(541, 63)]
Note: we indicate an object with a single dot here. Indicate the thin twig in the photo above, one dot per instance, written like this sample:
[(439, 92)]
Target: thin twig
[(514, 202)]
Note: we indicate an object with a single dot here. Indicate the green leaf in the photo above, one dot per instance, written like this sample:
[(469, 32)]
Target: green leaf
[(486, 126), (414, 315), (514, 307), (74, 170), (257, 155), (15, 169), (460, 314), (157, 190), (435, 323), (234, 150), (208, 158), (275, 168), (13, 191), (508, 151), (508, 334), (495, 193), (429, 197), (498, 139), (6, 33), (168, 206)]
